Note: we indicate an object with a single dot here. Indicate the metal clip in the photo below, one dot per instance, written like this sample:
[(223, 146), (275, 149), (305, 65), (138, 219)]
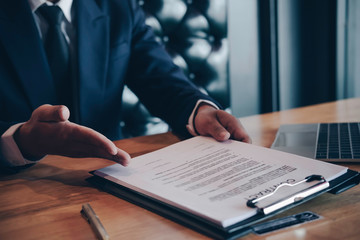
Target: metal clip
[(298, 196)]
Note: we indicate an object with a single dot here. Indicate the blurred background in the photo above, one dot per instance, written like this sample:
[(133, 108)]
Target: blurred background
[(256, 56), (292, 53)]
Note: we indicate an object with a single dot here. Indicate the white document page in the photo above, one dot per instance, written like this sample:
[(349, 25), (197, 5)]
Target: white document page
[(214, 179)]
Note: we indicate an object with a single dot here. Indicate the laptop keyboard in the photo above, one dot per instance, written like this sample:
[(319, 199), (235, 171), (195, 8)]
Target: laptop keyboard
[(338, 141)]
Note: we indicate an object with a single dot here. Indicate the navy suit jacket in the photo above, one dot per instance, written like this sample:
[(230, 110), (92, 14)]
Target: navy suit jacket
[(114, 47)]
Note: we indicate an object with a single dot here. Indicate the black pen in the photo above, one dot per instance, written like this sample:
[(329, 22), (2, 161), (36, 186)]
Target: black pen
[(88, 213)]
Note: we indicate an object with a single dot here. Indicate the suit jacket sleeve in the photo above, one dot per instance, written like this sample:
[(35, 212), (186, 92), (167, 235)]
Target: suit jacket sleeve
[(160, 85)]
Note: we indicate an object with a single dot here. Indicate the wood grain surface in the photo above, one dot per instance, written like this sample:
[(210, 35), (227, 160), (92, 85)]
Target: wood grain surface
[(44, 201)]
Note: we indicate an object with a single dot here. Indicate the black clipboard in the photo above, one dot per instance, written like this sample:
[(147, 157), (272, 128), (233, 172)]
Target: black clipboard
[(338, 185)]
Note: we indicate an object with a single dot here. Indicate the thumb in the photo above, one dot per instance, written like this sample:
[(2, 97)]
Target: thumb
[(50, 113), (219, 132)]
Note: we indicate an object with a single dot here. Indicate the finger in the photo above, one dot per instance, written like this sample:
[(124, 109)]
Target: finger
[(216, 130), (81, 149), (207, 124), (49, 113), (121, 157), (233, 126), (241, 135), (92, 138), (219, 133)]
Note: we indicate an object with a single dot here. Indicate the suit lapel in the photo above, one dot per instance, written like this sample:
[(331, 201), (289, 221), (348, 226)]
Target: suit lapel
[(20, 37), (93, 52)]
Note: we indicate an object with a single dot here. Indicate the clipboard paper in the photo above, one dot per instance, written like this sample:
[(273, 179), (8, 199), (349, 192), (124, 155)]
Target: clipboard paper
[(206, 185)]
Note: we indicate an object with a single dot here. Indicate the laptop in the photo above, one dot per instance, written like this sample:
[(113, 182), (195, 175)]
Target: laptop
[(332, 142)]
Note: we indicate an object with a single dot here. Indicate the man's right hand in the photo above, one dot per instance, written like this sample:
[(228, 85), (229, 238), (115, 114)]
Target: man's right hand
[(49, 132)]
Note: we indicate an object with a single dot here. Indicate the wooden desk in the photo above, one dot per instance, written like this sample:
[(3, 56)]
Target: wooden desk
[(44, 201)]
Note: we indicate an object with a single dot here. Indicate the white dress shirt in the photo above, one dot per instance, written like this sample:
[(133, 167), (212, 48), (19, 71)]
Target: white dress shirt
[(8, 146)]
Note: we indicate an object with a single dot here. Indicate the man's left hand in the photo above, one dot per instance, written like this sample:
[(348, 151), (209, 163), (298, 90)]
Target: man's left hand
[(219, 124)]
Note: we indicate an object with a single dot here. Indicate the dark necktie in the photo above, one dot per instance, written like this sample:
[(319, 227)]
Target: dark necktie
[(57, 51)]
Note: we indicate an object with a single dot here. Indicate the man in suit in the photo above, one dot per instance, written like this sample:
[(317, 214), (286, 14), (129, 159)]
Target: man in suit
[(105, 45)]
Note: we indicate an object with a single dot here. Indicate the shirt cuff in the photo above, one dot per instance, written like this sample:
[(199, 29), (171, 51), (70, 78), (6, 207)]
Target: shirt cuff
[(10, 151), (190, 126)]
